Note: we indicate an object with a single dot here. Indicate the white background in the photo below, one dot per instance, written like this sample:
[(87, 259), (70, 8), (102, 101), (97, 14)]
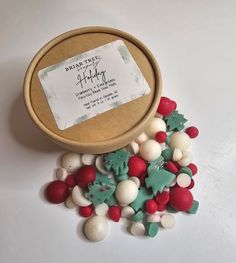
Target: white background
[(195, 45)]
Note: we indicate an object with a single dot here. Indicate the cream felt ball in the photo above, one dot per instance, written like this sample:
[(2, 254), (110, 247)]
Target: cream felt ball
[(150, 150)]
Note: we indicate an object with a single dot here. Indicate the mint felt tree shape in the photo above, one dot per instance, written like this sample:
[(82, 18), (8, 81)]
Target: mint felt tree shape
[(175, 121), (159, 179), (100, 190), (118, 163), (155, 165)]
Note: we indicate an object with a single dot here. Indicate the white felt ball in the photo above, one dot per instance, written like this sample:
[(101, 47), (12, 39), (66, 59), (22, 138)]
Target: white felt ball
[(88, 159), (186, 159), (126, 192), (71, 161), (142, 138), (183, 180), (177, 155), (127, 212), (101, 209), (69, 203), (168, 221), (96, 228), (179, 140), (137, 229), (61, 174), (150, 150), (78, 197), (153, 218), (133, 147), (155, 126), (135, 180)]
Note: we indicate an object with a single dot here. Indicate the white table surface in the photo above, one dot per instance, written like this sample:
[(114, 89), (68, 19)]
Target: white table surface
[(195, 45)]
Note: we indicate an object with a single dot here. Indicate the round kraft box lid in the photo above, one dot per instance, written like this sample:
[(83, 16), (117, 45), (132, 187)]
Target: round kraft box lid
[(108, 131)]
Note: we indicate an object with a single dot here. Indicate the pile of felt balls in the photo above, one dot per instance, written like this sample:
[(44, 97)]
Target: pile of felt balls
[(146, 182)]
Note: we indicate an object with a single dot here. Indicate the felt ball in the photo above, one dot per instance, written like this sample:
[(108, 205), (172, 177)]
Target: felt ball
[(191, 184), (135, 180), (137, 229), (86, 211), (150, 150), (57, 192), (151, 206), (155, 126), (161, 207), (85, 175), (70, 180), (126, 192), (71, 161), (78, 197), (114, 213), (166, 106), (183, 180), (61, 174), (101, 209), (96, 228), (193, 168), (162, 198), (179, 140), (171, 167), (168, 221), (181, 199), (192, 132), (141, 138), (160, 136), (137, 166)]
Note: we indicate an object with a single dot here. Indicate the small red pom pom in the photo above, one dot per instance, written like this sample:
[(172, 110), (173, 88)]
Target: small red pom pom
[(114, 213), (151, 206), (193, 168), (85, 175), (191, 184), (86, 211), (70, 181), (160, 136), (192, 132), (162, 198), (57, 192), (171, 167), (166, 106), (181, 199), (161, 207), (137, 166)]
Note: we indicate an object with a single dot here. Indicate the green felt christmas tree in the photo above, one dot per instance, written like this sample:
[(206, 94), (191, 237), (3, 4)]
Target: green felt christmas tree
[(117, 162), (175, 121), (100, 190), (159, 179)]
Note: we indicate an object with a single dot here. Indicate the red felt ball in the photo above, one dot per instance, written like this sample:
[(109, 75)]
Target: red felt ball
[(162, 198), (86, 211), (161, 207), (70, 180), (151, 206), (114, 213), (137, 166), (85, 175), (174, 104), (192, 132), (57, 192), (166, 106), (160, 136), (193, 168), (181, 199), (171, 167), (191, 184)]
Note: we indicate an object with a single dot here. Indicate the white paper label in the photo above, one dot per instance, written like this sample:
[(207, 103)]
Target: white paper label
[(91, 83)]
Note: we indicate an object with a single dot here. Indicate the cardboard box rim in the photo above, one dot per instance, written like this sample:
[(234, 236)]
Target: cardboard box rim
[(102, 146)]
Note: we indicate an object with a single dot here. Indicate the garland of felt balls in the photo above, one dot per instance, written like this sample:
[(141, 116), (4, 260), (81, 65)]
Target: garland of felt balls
[(146, 182)]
